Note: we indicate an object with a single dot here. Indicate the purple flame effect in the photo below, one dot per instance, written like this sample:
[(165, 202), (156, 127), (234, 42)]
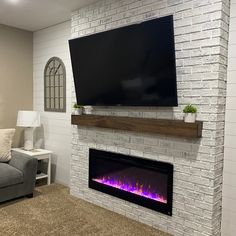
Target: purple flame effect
[(136, 188)]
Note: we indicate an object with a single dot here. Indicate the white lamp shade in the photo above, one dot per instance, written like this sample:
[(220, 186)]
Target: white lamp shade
[(28, 119)]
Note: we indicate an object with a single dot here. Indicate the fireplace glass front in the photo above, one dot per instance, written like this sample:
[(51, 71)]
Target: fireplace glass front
[(141, 181)]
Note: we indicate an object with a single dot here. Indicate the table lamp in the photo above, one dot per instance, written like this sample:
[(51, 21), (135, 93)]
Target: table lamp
[(29, 120)]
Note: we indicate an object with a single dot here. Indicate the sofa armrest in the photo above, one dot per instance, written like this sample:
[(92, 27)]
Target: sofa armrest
[(28, 166)]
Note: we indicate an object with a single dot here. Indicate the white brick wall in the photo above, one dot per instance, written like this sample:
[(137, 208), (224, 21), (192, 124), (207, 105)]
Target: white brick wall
[(49, 42), (229, 176), (201, 34)]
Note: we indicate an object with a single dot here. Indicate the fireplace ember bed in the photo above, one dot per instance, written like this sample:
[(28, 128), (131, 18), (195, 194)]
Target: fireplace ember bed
[(145, 182)]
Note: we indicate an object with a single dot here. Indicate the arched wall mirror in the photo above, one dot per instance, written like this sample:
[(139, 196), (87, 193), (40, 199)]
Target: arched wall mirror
[(55, 85)]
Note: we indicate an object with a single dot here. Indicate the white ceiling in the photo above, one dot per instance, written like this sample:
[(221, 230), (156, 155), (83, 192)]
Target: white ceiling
[(34, 15)]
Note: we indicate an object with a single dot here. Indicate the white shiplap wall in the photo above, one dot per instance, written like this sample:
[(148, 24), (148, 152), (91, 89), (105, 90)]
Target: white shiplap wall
[(49, 42), (229, 176)]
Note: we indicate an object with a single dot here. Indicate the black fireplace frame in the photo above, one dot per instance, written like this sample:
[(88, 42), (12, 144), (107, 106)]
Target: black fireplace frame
[(161, 167)]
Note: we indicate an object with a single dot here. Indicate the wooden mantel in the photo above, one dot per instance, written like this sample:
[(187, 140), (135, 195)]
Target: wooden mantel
[(176, 128)]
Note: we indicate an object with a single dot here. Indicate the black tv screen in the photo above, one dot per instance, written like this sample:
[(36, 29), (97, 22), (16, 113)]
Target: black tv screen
[(128, 66)]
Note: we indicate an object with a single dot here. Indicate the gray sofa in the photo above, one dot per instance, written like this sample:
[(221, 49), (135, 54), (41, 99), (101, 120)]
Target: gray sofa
[(17, 178)]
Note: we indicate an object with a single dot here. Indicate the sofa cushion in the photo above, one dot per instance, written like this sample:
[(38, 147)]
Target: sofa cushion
[(9, 175), (6, 136)]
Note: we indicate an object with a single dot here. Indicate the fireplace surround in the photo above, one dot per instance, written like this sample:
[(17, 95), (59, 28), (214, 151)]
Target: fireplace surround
[(144, 182), (201, 74)]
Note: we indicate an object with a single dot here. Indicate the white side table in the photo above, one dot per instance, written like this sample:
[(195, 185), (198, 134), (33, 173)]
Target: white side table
[(40, 154)]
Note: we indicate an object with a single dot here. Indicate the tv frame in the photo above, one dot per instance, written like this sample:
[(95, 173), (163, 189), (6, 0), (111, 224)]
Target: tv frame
[(174, 104)]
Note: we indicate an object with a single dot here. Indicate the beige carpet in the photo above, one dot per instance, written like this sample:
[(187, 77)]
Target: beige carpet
[(53, 211)]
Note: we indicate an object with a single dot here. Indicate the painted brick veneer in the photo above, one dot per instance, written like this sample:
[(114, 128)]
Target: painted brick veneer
[(201, 41)]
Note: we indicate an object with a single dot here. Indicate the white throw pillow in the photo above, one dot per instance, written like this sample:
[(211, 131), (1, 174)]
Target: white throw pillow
[(6, 136)]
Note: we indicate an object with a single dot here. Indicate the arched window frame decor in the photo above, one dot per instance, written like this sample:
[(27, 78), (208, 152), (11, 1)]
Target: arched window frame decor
[(55, 85)]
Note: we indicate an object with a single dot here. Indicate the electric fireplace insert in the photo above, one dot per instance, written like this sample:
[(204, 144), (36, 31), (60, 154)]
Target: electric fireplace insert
[(145, 182)]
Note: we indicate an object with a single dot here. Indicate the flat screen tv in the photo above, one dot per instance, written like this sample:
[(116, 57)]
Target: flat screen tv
[(128, 66)]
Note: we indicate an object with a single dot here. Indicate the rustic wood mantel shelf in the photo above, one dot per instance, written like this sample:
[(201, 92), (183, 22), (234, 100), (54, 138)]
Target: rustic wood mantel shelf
[(176, 128)]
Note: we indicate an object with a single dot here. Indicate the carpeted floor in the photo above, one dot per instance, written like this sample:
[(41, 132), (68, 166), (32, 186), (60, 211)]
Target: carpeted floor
[(53, 211)]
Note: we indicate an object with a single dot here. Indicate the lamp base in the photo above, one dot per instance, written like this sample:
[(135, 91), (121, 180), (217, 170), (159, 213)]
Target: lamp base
[(29, 144)]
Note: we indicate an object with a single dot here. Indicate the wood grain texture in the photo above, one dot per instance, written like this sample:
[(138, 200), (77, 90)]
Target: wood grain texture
[(143, 125)]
